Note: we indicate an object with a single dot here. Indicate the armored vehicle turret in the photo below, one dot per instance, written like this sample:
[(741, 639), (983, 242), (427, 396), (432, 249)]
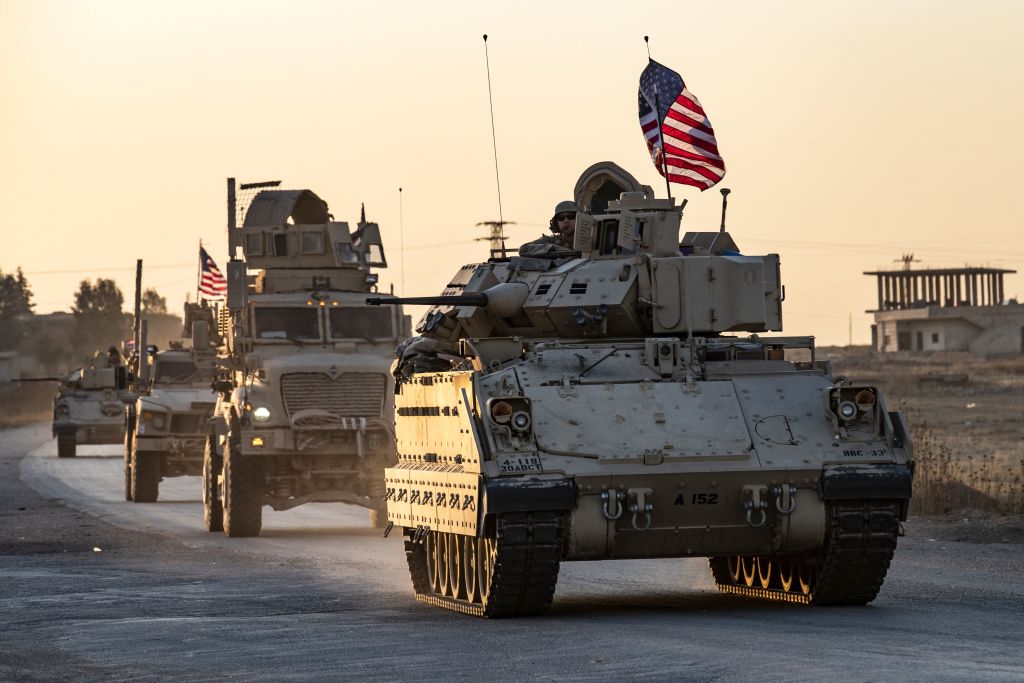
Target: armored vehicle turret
[(618, 401), (305, 411), (89, 405)]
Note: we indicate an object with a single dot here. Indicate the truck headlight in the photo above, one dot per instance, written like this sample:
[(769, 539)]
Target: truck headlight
[(847, 410), (156, 420), (261, 414)]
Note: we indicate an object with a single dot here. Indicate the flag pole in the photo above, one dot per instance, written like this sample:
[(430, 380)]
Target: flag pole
[(401, 237), (661, 137), (199, 270)]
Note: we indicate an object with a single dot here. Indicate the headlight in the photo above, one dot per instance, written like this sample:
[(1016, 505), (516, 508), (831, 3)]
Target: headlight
[(847, 410), (261, 414), (157, 420), (62, 409), (521, 421)]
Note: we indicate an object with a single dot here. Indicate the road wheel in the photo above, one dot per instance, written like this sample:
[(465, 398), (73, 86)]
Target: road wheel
[(129, 438), (213, 508), (145, 476), (243, 491), (66, 445)]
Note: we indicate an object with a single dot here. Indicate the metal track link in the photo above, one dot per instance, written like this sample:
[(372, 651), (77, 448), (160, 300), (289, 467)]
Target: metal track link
[(528, 549), (851, 567)]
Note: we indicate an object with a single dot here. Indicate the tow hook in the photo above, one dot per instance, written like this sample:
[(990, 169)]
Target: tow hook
[(641, 504), (785, 498), (612, 507), (755, 498)]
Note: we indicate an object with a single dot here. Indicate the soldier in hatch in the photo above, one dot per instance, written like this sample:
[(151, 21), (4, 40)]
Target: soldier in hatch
[(563, 230)]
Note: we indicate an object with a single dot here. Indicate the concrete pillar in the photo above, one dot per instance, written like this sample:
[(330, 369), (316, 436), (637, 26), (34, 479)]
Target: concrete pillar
[(957, 290), (999, 288), (879, 293)]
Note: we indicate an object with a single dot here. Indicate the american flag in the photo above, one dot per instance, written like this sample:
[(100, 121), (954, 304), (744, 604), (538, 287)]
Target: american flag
[(690, 149), (212, 284)]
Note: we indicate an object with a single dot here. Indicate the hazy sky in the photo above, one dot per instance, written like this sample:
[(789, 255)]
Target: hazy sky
[(852, 132)]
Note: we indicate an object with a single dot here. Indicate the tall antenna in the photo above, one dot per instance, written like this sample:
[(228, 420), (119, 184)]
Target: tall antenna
[(401, 237), (494, 138), (725, 202)]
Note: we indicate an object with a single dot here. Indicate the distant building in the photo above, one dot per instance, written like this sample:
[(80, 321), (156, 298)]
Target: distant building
[(946, 309)]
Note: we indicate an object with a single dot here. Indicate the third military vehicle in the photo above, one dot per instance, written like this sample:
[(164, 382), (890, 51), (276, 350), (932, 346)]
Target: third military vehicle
[(88, 406), (165, 427), (305, 412), (617, 400)]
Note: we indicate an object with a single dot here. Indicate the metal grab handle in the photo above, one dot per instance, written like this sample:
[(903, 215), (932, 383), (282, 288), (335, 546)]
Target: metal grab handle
[(646, 513), (777, 492), (606, 497), (750, 515)]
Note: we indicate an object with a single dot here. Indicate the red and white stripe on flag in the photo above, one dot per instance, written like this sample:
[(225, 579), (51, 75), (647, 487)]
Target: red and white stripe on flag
[(212, 283), (690, 151)]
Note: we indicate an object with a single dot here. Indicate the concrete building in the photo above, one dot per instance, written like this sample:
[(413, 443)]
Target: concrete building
[(946, 309)]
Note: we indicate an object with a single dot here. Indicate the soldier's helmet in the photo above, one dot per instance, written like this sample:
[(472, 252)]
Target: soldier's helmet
[(567, 206)]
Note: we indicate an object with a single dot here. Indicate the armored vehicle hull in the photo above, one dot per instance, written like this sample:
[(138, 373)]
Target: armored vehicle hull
[(88, 409), (599, 404)]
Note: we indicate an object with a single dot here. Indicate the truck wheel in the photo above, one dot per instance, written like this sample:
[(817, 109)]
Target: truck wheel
[(145, 476), (213, 509), (66, 445), (243, 491)]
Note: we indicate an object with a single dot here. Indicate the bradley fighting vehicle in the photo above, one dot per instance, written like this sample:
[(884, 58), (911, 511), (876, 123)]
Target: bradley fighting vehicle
[(88, 406), (165, 427), (306, 408), (609, 403)]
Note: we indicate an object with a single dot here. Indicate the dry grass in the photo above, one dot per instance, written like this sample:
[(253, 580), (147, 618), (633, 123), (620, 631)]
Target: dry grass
[(24, 403)]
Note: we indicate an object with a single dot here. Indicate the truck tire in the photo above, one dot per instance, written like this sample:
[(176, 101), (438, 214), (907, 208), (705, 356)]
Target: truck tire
[(66, 444), (243, 491), (145, 476), (213, 508)]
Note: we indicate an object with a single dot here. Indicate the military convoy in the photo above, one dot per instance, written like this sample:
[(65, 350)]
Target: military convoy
[(305, 405), (88, 405), (165, 426), (617, 401)]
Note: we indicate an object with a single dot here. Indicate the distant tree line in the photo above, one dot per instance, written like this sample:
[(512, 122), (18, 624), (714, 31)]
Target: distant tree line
[(99, 321)]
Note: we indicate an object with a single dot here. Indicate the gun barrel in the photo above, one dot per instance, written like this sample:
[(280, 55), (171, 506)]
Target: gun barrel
[(455, 300), (39, 379)]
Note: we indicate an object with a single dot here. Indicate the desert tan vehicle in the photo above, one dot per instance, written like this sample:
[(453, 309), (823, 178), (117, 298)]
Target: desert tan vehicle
[(165, 427), (88, 406), (306, 408), (604, 403)]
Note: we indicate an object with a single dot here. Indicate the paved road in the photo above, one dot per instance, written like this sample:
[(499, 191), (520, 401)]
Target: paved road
[(321, 596)]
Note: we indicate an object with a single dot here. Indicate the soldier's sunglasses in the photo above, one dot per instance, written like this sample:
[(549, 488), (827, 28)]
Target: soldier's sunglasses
[(566, 216)]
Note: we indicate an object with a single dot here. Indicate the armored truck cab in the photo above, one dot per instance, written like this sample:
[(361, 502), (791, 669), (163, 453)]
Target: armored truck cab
[(88, 406), (165, 428), (618, 401), (306, 404)]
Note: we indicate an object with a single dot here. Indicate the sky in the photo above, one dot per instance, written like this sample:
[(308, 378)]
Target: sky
[(853, 133)]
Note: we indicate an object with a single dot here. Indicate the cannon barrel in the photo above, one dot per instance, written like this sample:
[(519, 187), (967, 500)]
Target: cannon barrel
[(39, 379), (454, 300)]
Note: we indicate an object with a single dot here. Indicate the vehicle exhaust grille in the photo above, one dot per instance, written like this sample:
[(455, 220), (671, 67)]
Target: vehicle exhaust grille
[(358, 394)]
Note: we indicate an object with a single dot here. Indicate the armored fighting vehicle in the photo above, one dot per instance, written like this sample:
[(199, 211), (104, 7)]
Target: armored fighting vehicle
[(88, 406), (306, 404), (618, 401), (165, 427)]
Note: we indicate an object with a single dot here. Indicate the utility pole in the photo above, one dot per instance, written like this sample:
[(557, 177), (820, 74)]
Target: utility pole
[(496, 235)]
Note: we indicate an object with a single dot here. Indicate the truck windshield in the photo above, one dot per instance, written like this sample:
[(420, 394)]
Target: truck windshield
[(296, 324), (369, 323), (174, 370)]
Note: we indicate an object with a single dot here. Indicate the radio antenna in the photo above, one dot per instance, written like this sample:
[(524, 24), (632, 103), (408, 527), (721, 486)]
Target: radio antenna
[(494, 139), (401, 237), (725, 202)]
